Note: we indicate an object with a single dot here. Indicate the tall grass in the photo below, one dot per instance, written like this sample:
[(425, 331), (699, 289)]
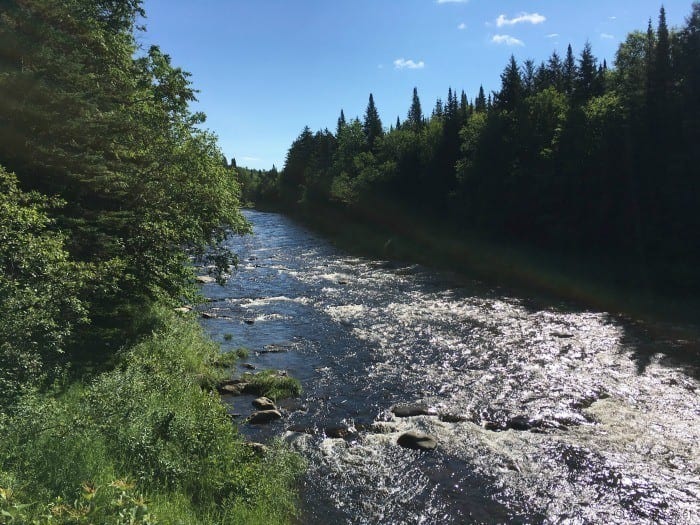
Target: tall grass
[(147, 442)]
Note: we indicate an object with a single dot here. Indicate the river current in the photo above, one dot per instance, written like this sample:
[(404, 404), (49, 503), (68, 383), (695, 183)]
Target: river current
[(544, 412)]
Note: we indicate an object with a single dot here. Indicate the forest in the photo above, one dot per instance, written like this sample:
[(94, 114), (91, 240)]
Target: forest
[(571, 158), (109, 190)]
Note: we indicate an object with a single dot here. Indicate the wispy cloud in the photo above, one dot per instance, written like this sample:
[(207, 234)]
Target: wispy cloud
[(607, 36), (522, 18), (612, 17), (452, 1), (552, 35), (462, 26), (402, 63), (507, 40)]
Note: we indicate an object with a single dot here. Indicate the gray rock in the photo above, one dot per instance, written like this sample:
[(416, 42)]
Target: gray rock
[(205, 279), (264, 416), (264, 403), (417, 441)]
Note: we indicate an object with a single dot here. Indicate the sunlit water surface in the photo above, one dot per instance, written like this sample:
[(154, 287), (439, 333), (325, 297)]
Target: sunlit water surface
[(566, 415)]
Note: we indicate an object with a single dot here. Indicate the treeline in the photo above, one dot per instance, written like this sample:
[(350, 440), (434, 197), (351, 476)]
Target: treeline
[(569, 156), (108, 189)]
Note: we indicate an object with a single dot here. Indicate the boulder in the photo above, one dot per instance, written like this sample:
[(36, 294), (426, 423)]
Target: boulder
[(264, 416), (453, 418), (183, 309), (208, 315), (412, 410), (264, 403), (258, 448), (249, 321), (417, 441), (232, 389), (205, 279)]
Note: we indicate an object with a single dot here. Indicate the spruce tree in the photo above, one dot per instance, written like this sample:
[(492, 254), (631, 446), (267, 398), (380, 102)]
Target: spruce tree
[(586, 75), (480, 102), (415, 113), (341, 123), (512, 91), (569, 72), (372, 125)]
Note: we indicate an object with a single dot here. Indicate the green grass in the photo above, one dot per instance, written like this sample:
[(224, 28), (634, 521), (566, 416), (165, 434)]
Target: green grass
[(145, 443), (270, 383)]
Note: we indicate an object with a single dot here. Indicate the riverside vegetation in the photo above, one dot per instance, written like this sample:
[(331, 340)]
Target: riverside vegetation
[(572, 164), (108, 190)]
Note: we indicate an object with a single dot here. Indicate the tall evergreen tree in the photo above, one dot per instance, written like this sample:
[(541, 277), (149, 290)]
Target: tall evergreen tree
[(341, 123), (569, 72), (512, 92), (372, 125), (586, 76), (415, 113), (480, 102)]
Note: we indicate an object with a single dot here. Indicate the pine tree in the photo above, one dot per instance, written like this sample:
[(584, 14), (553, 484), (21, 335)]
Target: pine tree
[(372, 125), (511, 95), (341, 123), (586, 75), (480, 102), (569, 72), (415, 113), (438, 110)]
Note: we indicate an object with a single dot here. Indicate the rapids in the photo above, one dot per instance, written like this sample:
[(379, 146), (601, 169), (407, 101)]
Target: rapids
[(563, 415)]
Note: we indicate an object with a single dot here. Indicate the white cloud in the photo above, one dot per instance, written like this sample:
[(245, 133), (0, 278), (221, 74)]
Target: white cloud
[(452, 1), (552, 35), (612, 18), (607, 36), (522, 18), (402, 63), (462, 26), (507, 40)]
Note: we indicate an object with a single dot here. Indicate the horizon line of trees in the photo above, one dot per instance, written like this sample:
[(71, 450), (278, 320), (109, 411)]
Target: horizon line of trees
[(568, 155)]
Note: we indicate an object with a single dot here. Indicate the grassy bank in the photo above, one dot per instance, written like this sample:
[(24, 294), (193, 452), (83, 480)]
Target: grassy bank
[(147, 442)]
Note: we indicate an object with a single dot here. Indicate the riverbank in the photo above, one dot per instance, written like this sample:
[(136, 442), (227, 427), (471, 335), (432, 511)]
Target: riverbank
[(148, 441), (611, 285)]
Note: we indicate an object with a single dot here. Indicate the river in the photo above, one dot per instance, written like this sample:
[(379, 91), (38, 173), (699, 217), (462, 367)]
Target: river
[(545, 412)]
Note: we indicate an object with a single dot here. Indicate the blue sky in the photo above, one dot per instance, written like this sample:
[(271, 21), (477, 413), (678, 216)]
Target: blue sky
[(267, 68)]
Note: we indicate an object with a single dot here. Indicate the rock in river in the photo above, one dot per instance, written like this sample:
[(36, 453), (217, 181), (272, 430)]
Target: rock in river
[(264, 416), (205, 279), (417, 441), (264, 403), (412, 410)]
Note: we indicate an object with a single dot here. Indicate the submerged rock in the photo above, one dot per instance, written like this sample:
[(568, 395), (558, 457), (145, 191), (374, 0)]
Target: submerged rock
[(412, 410), (264, 416), (417, 441), (264, 403)]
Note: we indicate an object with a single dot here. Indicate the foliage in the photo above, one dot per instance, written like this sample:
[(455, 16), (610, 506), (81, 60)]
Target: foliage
[(40, 290), (143, 443)]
